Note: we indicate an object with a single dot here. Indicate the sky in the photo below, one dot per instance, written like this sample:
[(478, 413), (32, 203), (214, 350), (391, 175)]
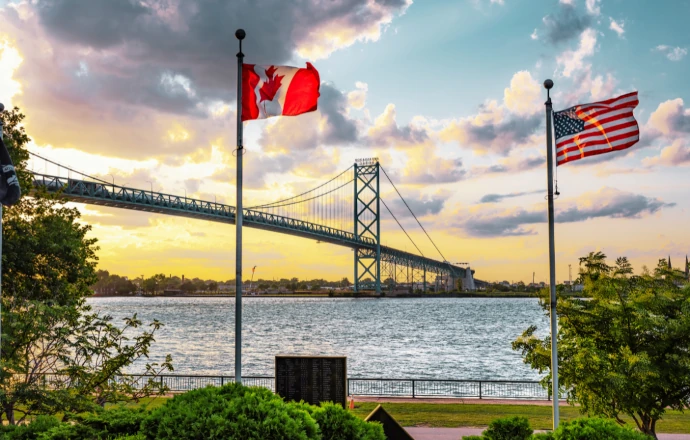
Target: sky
[(447, 94)]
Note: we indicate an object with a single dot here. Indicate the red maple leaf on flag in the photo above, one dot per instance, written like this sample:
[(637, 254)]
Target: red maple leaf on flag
[(269, 89)]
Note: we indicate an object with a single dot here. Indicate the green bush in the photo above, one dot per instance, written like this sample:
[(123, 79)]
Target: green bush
[(116, 421), (336, 423), (31, 431), (542, 436), (69, 431), (509, 428), (232, 412), (595, 429), (473, 437)]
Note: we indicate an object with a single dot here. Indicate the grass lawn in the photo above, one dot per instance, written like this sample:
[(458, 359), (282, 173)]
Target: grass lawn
[(453, 415)]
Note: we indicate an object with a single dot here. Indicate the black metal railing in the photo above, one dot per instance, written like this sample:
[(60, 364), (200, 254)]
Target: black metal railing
[(480, 389)]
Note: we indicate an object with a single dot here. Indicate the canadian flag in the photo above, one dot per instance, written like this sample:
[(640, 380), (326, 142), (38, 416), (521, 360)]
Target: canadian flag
[(278, 91)]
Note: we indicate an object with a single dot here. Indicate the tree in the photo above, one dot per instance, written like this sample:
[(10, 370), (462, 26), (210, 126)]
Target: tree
[(50, 335), (623, 350), (212, 286), (594, 265)]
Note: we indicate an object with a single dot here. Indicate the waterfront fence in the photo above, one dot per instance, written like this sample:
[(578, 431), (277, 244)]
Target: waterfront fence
[(458, 388)]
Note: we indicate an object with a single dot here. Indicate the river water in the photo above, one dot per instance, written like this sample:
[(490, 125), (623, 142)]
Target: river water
[(445, 338)]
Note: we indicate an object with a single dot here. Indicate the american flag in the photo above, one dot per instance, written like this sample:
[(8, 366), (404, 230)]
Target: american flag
[(597, 128)]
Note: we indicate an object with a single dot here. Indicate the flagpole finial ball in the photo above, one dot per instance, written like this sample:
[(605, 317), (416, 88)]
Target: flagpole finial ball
[(548, 84), (240, 34)]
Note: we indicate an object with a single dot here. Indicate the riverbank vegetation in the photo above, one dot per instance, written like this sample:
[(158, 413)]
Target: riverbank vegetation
[(232, 412), (58, 355), (624, 349)]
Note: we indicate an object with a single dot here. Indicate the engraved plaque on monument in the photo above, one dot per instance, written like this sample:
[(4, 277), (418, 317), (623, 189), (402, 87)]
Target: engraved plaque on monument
[(313, 379)]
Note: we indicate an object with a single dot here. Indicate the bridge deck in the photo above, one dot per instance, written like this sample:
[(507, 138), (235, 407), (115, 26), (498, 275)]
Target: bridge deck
[(105, 194)]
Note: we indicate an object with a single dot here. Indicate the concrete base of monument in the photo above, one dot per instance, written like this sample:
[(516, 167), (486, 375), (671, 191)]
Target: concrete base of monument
[(391, 427)]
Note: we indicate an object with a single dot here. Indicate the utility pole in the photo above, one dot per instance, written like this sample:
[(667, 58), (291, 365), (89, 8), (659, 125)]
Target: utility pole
[(570, 276)]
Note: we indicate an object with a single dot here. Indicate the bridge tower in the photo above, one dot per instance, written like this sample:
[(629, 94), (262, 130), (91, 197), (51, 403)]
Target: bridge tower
[(367, 221)]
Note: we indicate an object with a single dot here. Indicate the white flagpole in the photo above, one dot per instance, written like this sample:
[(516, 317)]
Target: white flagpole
[(240, 34), (548, 84)]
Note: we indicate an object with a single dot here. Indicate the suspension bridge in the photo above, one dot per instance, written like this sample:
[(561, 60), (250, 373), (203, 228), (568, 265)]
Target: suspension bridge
[(345, 211)]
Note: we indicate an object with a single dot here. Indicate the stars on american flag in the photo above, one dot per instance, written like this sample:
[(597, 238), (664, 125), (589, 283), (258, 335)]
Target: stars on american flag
[(567, 123)]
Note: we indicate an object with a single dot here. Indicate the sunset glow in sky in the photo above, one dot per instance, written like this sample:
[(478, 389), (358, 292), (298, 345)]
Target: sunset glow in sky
[(447, 94)]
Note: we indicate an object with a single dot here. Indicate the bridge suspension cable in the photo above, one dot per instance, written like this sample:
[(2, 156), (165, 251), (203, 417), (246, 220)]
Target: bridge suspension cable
[(413, 214), (59, 165), (304, 193), (401, 227), (329, 204)]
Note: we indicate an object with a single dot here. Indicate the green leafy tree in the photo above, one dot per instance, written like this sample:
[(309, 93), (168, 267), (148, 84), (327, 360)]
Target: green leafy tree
[(624, 349), (57, 356)]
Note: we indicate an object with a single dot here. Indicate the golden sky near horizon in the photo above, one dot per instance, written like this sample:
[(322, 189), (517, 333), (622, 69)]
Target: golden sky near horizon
[(149, 102)]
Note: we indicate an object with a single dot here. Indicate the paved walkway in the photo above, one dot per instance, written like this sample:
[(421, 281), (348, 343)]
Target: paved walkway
[(457, 433)]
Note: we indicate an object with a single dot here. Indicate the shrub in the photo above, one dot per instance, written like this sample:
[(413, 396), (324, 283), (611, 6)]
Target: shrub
[(31, 431), (336, 423), (232, 412), (595, 429), (117, 421), (68, 431), (473, 437), (509, 428), (542, 436)]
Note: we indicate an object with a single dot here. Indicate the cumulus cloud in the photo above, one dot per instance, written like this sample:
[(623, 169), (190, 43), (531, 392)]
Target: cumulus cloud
[(492, 130), (678, 153), (524, 96), (424, 167), (607, 202), (357, 98), (329, 125), (420, 204), (670, 119), (495, 198), (499, 128), (672, 53), (565, 24), (670, 125), (617, 26), (137, 67), (589, 87), (572, 61), (593, 6), (387, 132)]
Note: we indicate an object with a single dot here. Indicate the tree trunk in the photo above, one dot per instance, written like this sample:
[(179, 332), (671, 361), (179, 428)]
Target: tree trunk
[(9, 412), (648, 425)]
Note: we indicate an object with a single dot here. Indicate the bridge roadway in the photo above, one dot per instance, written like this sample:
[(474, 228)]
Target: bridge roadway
[(106, 194)]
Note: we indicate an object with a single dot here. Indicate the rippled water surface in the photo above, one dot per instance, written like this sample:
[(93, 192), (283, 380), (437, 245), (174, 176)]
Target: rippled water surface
[(453, 338)]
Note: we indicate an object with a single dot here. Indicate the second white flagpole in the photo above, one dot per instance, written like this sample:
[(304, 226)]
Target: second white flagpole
[(240, 34), (548, 84)]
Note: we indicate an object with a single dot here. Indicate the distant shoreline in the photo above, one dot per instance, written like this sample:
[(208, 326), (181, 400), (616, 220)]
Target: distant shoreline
[(349, 295)]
